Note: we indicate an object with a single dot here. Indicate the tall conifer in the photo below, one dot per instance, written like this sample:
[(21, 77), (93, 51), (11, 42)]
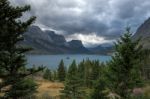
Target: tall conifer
[(12, 58), (61, 71), (72, 83), (124, 68)]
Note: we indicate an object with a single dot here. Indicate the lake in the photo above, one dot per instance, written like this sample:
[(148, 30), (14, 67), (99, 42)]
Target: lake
[(52, 61)]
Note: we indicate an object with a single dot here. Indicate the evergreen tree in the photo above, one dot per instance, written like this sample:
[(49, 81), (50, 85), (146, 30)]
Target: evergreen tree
[(12, 58), (99, 89), (72, 69), (88, 71), (95, 70), (55, 75), (146, 65), (81, 72), (23, 85), (101, 84), (81, 69), (88, 74), (72, 83), (124, 68), (61, 71), (47, 74)]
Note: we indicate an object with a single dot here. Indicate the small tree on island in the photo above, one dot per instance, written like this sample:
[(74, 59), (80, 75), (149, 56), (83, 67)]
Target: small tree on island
[(124, 68), (12, 57), (61, 71)]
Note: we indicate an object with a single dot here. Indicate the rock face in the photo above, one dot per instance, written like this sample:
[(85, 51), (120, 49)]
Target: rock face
[(57, 39), (48, 42), (75, 43), (78, 46), (144, 32)]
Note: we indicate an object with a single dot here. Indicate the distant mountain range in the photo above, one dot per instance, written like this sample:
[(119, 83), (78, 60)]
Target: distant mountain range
[(48, 42), (106, 48), (143, 32)]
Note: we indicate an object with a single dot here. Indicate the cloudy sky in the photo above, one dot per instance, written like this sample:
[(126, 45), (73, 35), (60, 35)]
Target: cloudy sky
[(92, 21)]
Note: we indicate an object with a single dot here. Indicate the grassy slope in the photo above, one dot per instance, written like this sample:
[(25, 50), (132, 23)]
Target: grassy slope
[(49, 89)]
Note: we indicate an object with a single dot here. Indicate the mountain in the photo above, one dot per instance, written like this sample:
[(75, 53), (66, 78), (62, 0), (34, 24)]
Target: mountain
[(105, 48), (57, 39), (143, 32), (48, 42), (78, 46)]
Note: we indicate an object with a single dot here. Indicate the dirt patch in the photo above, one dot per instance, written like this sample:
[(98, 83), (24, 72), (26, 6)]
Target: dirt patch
[(49, 88)]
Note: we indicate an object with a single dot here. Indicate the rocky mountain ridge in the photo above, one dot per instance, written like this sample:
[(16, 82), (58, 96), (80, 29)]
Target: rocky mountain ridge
[(48, 42), (143, 32)]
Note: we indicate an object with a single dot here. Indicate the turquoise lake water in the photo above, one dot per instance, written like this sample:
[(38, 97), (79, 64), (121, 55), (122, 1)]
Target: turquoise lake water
[(52, 61)]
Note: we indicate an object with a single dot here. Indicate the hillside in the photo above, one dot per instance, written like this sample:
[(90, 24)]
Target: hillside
[(144, 32)]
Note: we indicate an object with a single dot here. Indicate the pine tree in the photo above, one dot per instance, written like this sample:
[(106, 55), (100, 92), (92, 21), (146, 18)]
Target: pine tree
[(99, 89), (55, 75), (16, 89), (81, 69), (95, 70), (12, 58), (101, 84), (47, 74), (81, 72), (124, 68), (88, 73), (72, 83), (72, 69), (146, 64), (61, 71)]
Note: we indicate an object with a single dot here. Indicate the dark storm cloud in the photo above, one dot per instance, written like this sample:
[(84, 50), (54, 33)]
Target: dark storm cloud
[(105, 18)]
